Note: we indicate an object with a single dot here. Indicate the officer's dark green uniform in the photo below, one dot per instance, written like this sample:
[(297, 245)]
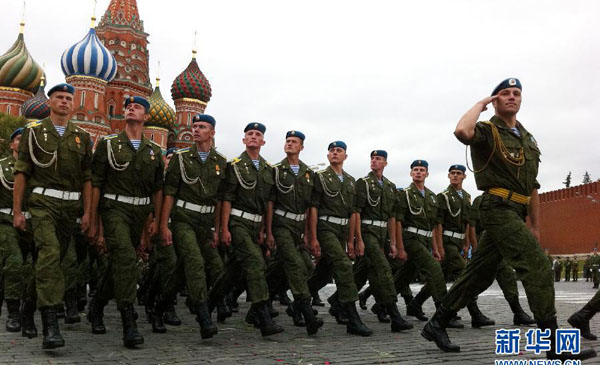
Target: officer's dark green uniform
[(16, 248), (575, 269), (418, 215), (594, 267), (506, 277), (558, 266), (194, 184), (121, 171), (56, 168), (291, 200), (586, 268)]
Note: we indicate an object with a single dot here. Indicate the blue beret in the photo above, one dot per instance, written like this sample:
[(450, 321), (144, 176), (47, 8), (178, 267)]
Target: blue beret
[(171, 151), (458, 167), (512, 82), (255, 126), (381, 153), (204, 118), (138, 100), (340, 144), (295, 134), (423, 163), (17, 132), (67, 88)]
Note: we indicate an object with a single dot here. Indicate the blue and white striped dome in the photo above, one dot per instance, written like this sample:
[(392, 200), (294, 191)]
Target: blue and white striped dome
[(89, 57)]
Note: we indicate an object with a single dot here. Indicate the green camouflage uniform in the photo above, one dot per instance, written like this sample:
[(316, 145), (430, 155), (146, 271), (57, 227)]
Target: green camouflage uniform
[(122, 170), (194, 184), (63, 164), (505, 234), (335, 198), (248, 190), (292, 195), (416, 211)]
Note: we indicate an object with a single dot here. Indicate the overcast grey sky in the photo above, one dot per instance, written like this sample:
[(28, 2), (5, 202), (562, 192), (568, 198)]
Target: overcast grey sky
[(394, 75)]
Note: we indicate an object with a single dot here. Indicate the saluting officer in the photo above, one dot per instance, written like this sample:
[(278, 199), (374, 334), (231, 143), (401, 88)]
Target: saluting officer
[(55, 160), (333, 221), (128, 172), (245, 193), (288, 210), (506, 159), (191, 186)]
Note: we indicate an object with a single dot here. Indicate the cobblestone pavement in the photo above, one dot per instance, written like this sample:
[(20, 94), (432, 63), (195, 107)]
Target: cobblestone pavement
[(240, 343)]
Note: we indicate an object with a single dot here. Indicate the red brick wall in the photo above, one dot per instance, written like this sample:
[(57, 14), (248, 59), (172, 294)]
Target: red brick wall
[(570, 219)]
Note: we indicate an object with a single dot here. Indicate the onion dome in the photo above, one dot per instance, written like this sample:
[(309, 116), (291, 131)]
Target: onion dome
[(191, 83), (161, 114), (17, 67), (37, 107), (89, 57)]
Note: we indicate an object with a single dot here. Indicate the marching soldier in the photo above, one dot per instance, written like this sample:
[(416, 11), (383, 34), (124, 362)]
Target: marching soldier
[(55, 158), (416, 225), (15, 252), (333, 221), (454, 215), (288, 210), (191, 188), (128, 172), (245, 193), (375, 202), (505, 158)]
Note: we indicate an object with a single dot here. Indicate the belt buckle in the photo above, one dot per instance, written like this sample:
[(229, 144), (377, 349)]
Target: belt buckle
[(136, 200)]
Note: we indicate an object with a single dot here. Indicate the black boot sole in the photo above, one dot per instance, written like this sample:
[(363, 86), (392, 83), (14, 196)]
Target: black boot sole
[(133, 343), (354, 331), (430, 338), (29, 335), (313, 327), (53, 345), (576, 324), (98, 331), (208, 333)]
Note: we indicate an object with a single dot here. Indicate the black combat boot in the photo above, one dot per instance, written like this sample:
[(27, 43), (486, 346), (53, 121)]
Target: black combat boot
[(381, 313), (520, 318), (28, 328), (52, 337), (478, 319), (60, 310), (363, 297), (81, 297), (312, 322), (267, 326), (223, 311), (207, 328), (252, 316), (96, 315), (552, 325), (131, 335), (170, 317), (355, 326), (272, 311), (414, 309), (398, 323), (158, 326), (13, 322), (292, 311), (337, 310), (435, 330), (581, 320), (1, 299), (316, 299), (71, 313)]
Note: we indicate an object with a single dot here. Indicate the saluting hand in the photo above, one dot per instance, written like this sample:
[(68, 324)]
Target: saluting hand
[(484, 102)]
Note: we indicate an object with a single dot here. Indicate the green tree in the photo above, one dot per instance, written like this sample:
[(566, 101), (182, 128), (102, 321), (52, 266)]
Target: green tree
[(8, 124), (567, 181), (586, 178)]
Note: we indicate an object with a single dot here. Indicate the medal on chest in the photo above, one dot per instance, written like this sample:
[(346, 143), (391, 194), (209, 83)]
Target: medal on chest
[(78, 141), (152, 154), (307, 177), (217, 170)]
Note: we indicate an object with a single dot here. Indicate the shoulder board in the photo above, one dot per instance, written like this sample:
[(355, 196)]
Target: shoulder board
[(220, 154), (182, 150), (277, 164), (33, 124), (320, 172), (268, 164), (110, 136), (235, 160), (80, 130)]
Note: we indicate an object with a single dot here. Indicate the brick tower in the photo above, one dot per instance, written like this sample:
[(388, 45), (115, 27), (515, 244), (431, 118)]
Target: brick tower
[(122, 32)]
